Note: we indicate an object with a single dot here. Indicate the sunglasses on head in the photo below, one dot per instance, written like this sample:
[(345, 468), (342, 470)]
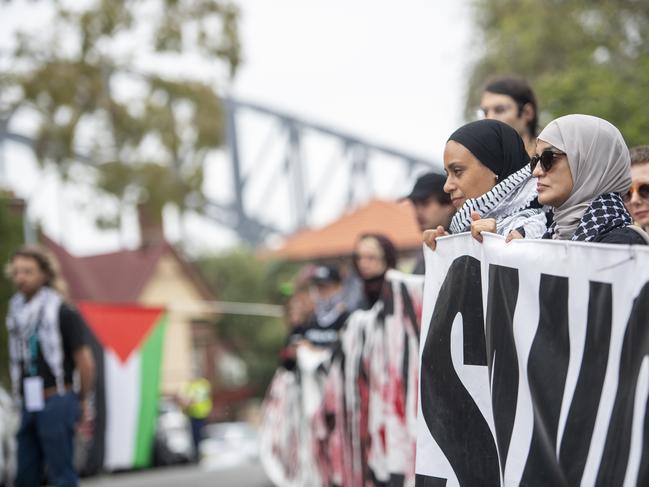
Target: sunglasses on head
[(641, 189), (546, 158)]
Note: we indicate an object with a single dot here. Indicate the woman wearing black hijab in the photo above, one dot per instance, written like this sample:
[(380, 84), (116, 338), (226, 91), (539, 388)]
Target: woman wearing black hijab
[(374, 254), (489, 180)]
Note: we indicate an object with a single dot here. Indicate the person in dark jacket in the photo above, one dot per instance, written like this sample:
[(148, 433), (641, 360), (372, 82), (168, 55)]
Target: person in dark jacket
[(373, 255), (583, 168), (330, 307), (433, 207)]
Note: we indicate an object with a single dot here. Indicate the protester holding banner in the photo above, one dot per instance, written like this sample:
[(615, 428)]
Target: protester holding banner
[(374, 254), (637, 198), (533, 364), (583, 167), (48, 340), (366, 425), (511, 100), (490, 183), (331, 309)]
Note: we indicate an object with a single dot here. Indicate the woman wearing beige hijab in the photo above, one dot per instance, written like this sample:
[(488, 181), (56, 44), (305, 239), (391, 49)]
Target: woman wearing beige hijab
[(582, 167)]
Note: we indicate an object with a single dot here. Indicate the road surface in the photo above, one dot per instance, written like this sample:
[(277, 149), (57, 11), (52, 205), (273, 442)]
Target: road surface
[(189, 476)]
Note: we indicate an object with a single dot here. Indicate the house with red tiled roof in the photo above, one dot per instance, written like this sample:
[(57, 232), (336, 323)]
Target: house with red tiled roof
[(396, 220), (155, 274)]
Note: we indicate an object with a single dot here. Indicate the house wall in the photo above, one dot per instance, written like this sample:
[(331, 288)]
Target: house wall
[(170, 287)]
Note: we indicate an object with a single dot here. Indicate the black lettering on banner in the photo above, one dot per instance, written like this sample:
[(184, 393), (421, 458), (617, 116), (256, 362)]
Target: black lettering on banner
[(582, 414), (546, 369), (397, 480), (387, 297), (426, 481), (501, 352), (405, 371), (451, 414), (409, 310), (618, 439)]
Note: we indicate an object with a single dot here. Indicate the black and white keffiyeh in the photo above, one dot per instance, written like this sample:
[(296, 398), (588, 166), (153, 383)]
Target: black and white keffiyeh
[(602, 215), (511, 203), (40, 316)]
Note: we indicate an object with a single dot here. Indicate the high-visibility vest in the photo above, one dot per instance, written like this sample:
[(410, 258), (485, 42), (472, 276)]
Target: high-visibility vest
[(199, 394)]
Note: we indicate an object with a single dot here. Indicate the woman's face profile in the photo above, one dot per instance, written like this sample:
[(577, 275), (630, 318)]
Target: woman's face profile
[(555, 185), (466, 176)]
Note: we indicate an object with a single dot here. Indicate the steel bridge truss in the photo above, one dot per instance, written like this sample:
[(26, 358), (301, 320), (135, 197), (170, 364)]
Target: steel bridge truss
[(301, 175), (354, 171)]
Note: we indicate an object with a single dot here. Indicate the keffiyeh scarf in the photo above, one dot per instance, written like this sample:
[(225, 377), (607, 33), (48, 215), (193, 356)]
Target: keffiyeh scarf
[(602, 215), (40, 316), (510, 203)]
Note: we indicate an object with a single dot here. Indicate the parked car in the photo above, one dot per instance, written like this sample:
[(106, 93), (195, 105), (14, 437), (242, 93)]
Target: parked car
[(173, 438), (228, 445)]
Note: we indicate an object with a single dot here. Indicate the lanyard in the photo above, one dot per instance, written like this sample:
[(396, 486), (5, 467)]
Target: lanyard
[(33, 351), (33, 347)]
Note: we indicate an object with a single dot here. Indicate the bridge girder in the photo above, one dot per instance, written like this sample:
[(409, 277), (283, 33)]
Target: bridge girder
[(292, 168)]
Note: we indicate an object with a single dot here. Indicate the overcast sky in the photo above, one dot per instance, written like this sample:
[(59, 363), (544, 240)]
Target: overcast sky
[(387, 69), (390, 71)]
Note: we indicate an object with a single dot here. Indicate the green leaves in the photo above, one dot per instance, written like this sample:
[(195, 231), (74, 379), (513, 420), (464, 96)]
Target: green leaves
[(11, 228), (146, 132), (580, 57), (240, 276)]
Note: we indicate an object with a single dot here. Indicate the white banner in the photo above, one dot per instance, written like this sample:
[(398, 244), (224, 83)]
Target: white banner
[(534, 364), (351, 420)]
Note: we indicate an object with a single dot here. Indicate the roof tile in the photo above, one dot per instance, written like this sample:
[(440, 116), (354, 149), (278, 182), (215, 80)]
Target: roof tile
[(396, 220), (117, 277)]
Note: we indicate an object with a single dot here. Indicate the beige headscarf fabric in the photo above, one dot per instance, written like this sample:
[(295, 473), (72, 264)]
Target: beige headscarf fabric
[(599, 162)]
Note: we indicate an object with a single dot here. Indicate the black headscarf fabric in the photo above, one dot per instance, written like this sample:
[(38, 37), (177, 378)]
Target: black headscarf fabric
[(495, 144)]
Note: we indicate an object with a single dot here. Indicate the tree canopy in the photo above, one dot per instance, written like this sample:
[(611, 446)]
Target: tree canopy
[(123, 84), (11, 229), (241, 277), (580, 57)]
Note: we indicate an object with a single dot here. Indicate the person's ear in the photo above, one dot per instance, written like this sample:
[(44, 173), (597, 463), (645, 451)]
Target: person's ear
[(527, 112)]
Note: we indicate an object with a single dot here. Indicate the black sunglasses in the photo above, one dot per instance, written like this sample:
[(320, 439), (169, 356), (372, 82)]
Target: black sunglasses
[(546, 158), (642, 190)]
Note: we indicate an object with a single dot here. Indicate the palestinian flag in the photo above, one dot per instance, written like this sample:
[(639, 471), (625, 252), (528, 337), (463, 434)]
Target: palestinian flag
[(127, 345)]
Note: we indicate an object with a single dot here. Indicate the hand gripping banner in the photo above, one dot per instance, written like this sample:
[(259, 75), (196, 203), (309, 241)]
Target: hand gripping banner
[(534, 364)]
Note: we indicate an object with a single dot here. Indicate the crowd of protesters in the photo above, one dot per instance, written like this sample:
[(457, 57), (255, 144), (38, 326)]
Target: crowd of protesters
[(574, 180), (353, 398)]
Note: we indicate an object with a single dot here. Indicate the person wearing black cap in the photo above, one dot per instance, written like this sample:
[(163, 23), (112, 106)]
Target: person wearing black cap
[(330, 308), (432, 205), (490, 183)]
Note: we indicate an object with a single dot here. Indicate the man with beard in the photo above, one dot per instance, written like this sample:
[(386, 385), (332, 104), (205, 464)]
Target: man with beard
[(48, 341)]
